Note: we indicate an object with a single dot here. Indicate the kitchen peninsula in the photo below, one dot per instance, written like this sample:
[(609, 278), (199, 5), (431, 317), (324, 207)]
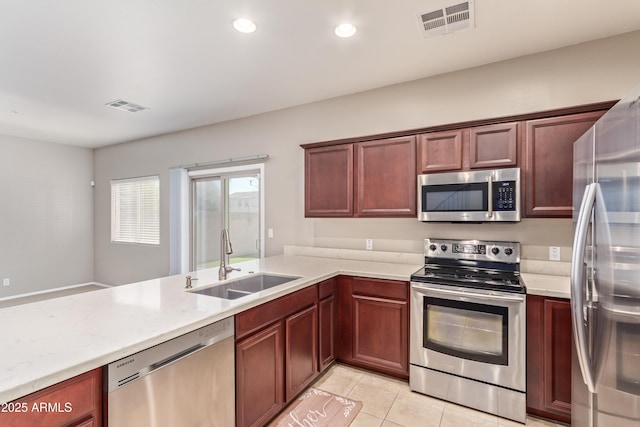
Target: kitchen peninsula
[(51, 341)]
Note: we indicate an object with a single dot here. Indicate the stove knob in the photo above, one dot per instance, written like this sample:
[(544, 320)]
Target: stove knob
[(443, 248), (495, 251), (508, 251), (432, 247)]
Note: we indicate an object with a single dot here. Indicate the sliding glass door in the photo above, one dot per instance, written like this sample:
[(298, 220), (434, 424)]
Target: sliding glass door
[(229, 200)]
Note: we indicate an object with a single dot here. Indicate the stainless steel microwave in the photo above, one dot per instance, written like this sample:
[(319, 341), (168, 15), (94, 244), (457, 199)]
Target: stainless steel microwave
[(473, 196)]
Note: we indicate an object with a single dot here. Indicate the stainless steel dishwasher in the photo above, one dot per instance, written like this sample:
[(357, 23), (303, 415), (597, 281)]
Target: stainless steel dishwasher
[(187, 381)]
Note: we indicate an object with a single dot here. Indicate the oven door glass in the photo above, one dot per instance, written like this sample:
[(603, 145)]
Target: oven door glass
[(467, 330), (468, 197)]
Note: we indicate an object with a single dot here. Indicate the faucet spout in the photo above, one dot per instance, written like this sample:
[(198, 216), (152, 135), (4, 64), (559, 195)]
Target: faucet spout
[(225, 250)]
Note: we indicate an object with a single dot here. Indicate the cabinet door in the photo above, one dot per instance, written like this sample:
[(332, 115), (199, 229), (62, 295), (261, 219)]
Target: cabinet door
[(301, 350), (493, 146), (386, 177), (549, 358), (259, 376), (329, 181), (548, 163), (327, 331), (440, 151), (380, 333), (76, 401)]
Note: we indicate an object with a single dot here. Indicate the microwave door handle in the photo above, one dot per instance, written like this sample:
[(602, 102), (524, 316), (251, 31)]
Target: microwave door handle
[(490, 197)]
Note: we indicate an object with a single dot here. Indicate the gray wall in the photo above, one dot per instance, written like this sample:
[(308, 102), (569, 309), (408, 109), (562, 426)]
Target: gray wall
[(598, 71), (46, 215)]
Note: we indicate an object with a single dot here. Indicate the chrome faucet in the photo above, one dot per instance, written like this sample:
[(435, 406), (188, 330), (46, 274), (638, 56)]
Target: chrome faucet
[(225, 251)]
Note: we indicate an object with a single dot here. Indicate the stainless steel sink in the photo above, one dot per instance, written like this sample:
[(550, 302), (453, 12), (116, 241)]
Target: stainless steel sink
[(244, 286)]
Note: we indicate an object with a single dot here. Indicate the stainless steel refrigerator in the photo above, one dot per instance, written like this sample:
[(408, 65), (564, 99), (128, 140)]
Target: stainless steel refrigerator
[(605, 272)]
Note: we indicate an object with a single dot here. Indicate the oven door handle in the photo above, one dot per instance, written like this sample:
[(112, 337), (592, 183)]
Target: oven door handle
[(492, 297)]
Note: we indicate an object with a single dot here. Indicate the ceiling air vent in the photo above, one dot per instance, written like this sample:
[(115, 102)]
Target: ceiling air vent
[(447, 20), (119, 104)]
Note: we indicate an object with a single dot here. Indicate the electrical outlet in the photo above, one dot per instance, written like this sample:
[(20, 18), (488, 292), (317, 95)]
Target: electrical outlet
[(554, 253), (6, 282), (369, 244)]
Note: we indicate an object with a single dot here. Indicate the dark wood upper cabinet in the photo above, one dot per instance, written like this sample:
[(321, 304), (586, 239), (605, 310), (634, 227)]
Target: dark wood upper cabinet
[(366, 179), (548, 163), (386, 177), (493, 146), (490, 146), (329, 181), (440, 151), (369, 176)]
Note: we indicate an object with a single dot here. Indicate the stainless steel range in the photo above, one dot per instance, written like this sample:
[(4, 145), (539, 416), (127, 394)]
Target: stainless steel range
[(468, 326)]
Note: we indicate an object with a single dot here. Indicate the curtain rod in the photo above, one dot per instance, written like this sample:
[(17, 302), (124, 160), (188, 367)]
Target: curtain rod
[(226, 161)]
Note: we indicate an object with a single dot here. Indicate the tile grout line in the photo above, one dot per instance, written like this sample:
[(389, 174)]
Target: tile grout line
[(395, 398)]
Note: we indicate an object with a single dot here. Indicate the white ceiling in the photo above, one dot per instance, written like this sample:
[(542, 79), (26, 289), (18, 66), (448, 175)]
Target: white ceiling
[(61, 61)]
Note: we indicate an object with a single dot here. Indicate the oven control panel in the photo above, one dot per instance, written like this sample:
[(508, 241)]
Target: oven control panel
[(477, 250)]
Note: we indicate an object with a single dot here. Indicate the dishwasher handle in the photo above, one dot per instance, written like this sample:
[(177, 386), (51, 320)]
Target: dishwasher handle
[(176, 357)]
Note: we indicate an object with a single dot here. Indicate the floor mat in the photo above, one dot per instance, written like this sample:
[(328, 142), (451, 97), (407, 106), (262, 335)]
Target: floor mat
[(318, 408)]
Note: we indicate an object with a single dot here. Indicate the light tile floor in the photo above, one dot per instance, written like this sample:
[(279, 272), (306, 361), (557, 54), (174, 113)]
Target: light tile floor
[(388, 402)]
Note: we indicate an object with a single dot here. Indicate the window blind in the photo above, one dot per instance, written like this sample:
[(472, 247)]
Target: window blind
[(135, 210)]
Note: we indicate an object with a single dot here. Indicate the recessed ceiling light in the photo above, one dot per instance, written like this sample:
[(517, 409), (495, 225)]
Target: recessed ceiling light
[(345, 30), (244, 25)]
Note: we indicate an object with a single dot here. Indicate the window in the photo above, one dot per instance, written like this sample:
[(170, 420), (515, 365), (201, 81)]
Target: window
[(135, 210)]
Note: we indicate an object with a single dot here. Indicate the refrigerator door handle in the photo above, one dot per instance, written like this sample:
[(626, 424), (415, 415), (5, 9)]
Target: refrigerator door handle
[(577, 281)]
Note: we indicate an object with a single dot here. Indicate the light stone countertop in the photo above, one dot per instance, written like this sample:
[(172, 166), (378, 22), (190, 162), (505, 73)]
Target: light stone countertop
[(547, 285), (49, 341)]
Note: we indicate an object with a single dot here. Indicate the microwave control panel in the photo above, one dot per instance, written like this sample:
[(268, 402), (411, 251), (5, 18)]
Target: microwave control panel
[(504, 196)]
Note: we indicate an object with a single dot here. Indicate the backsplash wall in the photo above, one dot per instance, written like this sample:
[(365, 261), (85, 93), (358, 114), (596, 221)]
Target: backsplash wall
[(406, 234)]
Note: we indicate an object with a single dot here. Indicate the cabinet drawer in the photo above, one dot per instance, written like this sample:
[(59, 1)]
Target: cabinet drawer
[(61, 404), (269, 312), (383, 288)]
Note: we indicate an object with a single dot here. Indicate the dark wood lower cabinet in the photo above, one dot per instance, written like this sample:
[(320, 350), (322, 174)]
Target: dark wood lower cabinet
[(373, 318), (76, 402), (327, 323), (276, 355), (282, 345), (259, 377), (301, 350), (549, 357)]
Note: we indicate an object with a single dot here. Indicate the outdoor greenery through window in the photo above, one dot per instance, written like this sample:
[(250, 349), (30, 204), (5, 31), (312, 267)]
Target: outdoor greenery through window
[(135, 210)]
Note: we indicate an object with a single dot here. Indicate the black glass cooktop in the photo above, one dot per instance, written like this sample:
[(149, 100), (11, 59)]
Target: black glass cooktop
[(471, 277)]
